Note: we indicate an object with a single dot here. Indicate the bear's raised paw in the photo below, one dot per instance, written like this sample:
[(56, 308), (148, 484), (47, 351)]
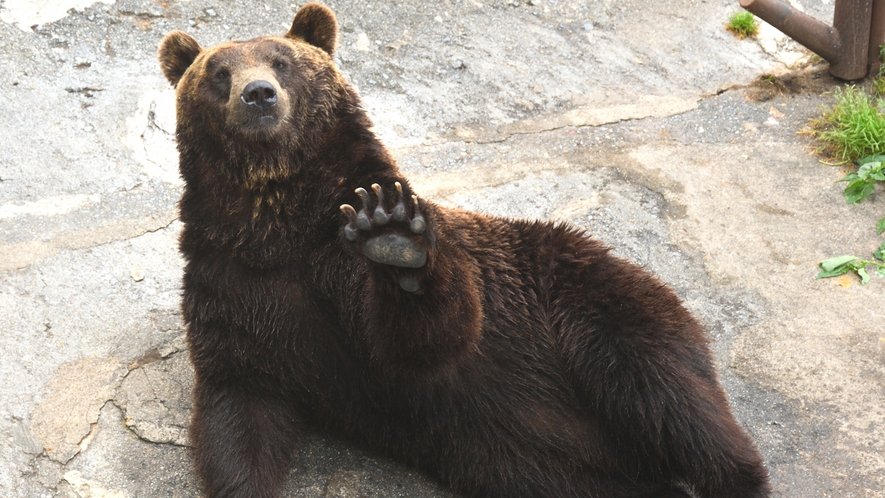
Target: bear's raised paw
[(386, 237)]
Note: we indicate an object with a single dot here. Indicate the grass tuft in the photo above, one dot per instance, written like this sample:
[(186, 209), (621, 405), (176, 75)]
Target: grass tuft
[(743, 24), (853, 128), (877, 85)]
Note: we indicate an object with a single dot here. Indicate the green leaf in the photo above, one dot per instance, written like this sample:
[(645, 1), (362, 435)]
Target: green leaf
[(831, 264), (880, 252), (878, 175), (870, 159), (865, 170), (864, 276), (850, 177), (880, 226), (839, 265), (834, 273), (881, 271), (858, 190)]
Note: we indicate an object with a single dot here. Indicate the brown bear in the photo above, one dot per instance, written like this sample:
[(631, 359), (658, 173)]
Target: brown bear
[(507, 358)]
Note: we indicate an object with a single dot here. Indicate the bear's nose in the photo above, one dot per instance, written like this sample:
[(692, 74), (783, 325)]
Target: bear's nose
[(259, 94)]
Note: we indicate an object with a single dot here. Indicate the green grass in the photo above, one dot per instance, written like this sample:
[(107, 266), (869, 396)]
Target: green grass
[(877, 85), (853, 128), (743, 24)]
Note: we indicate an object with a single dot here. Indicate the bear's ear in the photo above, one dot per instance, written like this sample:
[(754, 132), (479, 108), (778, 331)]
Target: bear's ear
[(315, 24), (177, 52)]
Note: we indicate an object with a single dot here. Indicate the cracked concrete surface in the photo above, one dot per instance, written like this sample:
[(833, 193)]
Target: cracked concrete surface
[(64, 422), (644, 122), (155, 395)]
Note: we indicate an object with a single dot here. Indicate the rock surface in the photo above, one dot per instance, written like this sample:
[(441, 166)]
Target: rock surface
[(647, 123)]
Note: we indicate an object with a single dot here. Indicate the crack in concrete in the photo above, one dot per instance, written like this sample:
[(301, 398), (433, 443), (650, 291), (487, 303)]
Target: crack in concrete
[(501, 138), (24, 254), (497, 138), (64, 420), (140, 14), (152, 125), (138, 436), (87, 91), (155, 403), (84, 442), (154, 230), (132, 237), (562, 127), (93, 430)]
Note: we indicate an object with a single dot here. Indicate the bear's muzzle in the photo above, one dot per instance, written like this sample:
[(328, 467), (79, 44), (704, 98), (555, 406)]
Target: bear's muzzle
[(257, 105)]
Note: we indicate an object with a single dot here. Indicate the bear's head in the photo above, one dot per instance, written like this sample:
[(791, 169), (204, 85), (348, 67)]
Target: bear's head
[(257, 102)]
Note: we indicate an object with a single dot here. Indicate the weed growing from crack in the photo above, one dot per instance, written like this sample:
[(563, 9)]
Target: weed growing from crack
[(743, 24), (853, 128)]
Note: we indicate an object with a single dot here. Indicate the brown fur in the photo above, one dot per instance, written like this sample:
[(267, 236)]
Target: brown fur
[(527, 361)]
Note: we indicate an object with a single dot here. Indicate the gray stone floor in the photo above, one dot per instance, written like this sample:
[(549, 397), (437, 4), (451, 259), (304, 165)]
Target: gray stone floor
[(645, 122)]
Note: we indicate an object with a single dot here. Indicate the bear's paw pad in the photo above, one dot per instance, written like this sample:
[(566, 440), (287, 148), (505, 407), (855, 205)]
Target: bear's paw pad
[(395, 250)]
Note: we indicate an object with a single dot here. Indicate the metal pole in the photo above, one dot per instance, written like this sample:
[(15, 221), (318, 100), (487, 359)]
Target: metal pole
[(877, 35), (845, 45), (851, 20)]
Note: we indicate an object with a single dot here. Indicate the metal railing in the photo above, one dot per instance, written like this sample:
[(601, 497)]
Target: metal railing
[(850, 45)]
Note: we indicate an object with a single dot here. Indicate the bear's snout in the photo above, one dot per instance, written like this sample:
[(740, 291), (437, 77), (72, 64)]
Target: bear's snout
[(257, 104), (259, 94)]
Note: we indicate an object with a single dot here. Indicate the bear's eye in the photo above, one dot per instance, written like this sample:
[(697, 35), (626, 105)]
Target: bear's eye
[(222, 74), (279, 65)]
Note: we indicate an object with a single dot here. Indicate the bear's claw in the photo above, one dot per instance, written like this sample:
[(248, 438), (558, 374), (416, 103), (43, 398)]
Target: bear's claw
[(388, 248), (349, 229), (399, 211), (362, 219), (417, 224), (380, 216)]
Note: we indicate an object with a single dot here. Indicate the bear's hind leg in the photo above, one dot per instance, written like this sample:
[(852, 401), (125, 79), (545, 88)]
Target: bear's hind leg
[(671, 424), (642, 369)]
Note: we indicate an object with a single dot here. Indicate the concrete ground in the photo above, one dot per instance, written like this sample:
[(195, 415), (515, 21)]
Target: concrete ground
[(645, 122)]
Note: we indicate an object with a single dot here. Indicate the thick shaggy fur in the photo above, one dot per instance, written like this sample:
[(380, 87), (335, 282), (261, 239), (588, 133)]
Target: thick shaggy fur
[(525, 361)]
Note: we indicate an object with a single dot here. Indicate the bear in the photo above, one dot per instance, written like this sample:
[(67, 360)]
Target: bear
[(503, 357)]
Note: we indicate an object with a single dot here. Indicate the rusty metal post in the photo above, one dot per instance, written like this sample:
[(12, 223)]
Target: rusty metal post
[(877, 35), (851, 20), (845, 45)]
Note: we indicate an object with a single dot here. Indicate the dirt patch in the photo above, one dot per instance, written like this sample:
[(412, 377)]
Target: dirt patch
[(810, 79)]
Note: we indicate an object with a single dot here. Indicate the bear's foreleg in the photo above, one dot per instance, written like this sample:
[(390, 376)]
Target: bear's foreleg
[(422, 304), (243, 438)]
